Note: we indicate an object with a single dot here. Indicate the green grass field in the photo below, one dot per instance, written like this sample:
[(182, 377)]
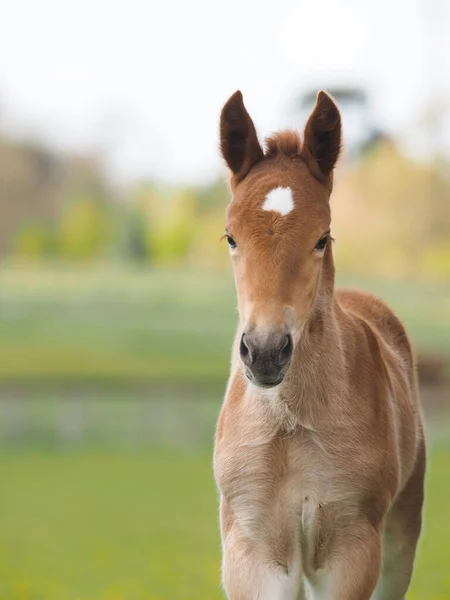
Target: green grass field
[(144, 527)]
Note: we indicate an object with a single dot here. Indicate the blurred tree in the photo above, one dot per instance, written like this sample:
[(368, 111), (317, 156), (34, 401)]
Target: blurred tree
[(171, 227), (133, 242), (33, 241), (34, 187), (85, 229), (384, 209), (212, 201), (213, 198), (30, 182)]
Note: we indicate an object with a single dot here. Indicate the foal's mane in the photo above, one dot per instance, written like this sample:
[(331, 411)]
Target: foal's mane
[(285, 142)]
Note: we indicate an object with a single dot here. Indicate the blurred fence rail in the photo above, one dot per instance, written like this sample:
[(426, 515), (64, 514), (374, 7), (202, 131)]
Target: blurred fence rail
[(74, 422), (134, 422)]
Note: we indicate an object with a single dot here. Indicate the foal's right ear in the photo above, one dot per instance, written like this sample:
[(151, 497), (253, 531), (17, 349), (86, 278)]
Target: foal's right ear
[(322, 142), (238, 140)]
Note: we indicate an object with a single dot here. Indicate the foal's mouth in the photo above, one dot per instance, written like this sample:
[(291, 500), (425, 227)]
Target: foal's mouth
[(262, 381)]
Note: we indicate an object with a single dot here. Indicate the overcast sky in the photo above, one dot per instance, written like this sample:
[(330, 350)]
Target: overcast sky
[(144, 81)]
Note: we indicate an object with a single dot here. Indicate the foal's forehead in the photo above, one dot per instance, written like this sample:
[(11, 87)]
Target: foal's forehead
[(284, 191)]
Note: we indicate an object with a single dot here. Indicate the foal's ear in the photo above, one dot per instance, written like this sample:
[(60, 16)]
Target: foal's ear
[(322, 139), (238, 140)]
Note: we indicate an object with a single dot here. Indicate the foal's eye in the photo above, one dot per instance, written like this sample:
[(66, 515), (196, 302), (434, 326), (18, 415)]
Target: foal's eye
[(321, 244), (231, 242)]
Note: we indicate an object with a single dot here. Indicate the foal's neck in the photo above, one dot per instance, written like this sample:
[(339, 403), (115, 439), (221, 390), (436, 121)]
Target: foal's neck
[(316, 375)]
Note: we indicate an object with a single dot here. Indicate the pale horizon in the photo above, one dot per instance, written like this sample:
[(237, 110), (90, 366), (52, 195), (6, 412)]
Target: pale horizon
[(142, 85)]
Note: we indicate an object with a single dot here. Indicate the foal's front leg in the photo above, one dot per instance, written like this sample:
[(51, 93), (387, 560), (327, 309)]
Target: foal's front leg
[(249, 571), (353, 567), (249, 576)]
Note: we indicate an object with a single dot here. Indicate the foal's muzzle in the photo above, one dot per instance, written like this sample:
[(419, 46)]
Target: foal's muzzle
[(266, 358)]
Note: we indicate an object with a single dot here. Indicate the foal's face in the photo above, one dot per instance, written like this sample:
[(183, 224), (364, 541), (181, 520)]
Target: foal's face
[(279, 223), (278, 228)]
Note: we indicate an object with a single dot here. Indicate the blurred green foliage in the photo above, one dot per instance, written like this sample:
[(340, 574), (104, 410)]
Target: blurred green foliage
[(132, 243), (34, 242), (390, 216), (170, 227), (85, 229)]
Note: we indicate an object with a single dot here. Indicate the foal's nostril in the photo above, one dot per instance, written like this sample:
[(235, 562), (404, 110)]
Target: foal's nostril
[(266, 356), (286, 350), (244, 350)]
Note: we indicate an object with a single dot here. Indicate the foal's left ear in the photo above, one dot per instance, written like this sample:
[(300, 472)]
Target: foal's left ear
[(238, 140), (322, 138)]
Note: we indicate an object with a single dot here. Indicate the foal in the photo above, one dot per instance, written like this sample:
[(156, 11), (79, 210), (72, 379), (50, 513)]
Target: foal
[(319, 452)]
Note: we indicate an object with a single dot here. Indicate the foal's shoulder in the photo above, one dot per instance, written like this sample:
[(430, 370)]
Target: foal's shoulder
[(364, 304), (378, 315)]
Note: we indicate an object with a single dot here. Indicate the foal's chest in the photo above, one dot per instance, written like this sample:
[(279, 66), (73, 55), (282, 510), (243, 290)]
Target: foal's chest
[(278, 490), (290, 465), (287, 495)]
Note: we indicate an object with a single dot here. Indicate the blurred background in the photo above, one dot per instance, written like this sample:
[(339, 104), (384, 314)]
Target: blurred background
[(117, 307)]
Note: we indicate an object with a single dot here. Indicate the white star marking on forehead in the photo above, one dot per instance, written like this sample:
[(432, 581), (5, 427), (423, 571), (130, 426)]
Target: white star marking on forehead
[(279, 200)]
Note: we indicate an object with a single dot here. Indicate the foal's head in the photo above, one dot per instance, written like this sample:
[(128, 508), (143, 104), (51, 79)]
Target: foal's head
[(278, 229)]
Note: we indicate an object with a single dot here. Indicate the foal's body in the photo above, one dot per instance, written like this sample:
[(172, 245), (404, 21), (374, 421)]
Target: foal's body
[(309, 487), (321, 475)]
